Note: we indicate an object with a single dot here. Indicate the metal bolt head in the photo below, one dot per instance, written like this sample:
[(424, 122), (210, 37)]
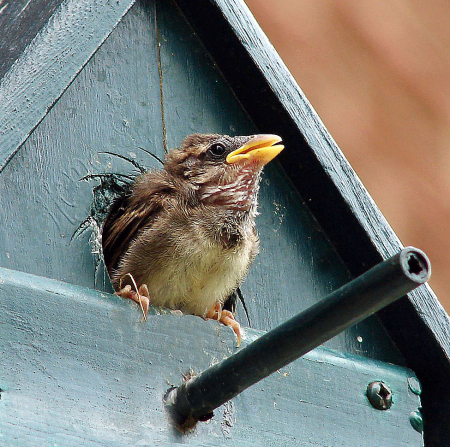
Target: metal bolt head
[(415, 417), (414, 385), (379, 395)]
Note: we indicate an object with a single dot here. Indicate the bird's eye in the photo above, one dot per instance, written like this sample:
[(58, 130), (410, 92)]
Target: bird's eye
[(216, 151)]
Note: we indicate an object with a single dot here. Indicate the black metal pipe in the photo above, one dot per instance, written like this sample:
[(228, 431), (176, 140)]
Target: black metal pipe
[(381, 285)]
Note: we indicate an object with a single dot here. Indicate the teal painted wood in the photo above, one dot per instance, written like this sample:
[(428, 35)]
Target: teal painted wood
[(78, 367), (196, 96), (114, 104), (297, 265), (20, 21), (49, 64)]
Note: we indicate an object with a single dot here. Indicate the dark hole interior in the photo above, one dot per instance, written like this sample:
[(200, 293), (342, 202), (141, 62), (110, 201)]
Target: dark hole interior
[(384, 393), (414, 264)]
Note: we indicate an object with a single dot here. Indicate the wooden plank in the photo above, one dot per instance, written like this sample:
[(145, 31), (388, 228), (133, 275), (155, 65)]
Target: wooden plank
[(78, 367), (112, 105), (357, 229), (197, 98), (50, 180), (49, 64), (20, 21)]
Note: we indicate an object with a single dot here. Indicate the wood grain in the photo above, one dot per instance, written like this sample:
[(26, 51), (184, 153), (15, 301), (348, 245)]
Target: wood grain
[(20, 21), (48, 65), (343, 208), (113, 105), (80, 368)]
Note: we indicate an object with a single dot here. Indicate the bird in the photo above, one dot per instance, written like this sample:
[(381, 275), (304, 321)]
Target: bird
[(183, 237)]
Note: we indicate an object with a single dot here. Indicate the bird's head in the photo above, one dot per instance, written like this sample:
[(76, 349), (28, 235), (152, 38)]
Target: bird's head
[(225, 170)]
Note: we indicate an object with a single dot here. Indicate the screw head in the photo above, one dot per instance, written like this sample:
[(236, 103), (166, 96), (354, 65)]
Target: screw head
[(414, 385), (379, 395), (415, 417)]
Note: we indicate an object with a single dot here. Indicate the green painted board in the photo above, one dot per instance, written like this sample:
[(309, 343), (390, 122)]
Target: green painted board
[(120, 101), (79, 367), (20, 21), (149, 84), (49, 63)]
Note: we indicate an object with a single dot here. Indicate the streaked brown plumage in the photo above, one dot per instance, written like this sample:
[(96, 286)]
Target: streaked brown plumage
[(186, 233)]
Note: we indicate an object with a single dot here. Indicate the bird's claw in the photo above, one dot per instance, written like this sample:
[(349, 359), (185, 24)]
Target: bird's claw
[(227, 318), (140, 296)]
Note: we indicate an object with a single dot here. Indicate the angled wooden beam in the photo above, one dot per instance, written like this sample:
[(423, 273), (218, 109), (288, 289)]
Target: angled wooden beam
[(418, 324), (79, 367), (49, 64), (20, 21)]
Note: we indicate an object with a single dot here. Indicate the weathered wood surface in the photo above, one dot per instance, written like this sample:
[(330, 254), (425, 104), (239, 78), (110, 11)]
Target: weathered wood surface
[(109, 106), (20, 21), (79, 367), (345, 211), (112, 106), (49, 63)]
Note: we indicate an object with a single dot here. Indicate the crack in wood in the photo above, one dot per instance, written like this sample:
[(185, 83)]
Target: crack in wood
[(161, 96)]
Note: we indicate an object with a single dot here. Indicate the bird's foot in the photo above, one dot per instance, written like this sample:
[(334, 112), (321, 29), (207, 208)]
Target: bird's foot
[(140, 296), (227, 318)]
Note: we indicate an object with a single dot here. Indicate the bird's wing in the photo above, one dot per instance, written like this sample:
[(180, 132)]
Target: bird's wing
[(128, 215)]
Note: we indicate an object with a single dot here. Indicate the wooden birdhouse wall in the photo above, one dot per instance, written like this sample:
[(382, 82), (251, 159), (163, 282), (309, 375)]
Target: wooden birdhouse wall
[(148, 85)]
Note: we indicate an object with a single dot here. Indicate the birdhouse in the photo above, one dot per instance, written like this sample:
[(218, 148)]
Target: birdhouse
[(90, 92)]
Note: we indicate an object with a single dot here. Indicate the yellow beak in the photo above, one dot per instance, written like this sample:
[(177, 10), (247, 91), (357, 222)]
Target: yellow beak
[(261, 148)]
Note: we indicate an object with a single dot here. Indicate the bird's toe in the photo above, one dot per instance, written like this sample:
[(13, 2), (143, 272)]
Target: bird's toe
[(227, 318), (141, 296)]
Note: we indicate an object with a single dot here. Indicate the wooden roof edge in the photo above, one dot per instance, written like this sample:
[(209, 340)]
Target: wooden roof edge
[(315, 164), (47, 66), (418, 324), (268, 92)]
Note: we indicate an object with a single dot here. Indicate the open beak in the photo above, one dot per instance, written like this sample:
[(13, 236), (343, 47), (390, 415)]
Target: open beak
[(260, 149)]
